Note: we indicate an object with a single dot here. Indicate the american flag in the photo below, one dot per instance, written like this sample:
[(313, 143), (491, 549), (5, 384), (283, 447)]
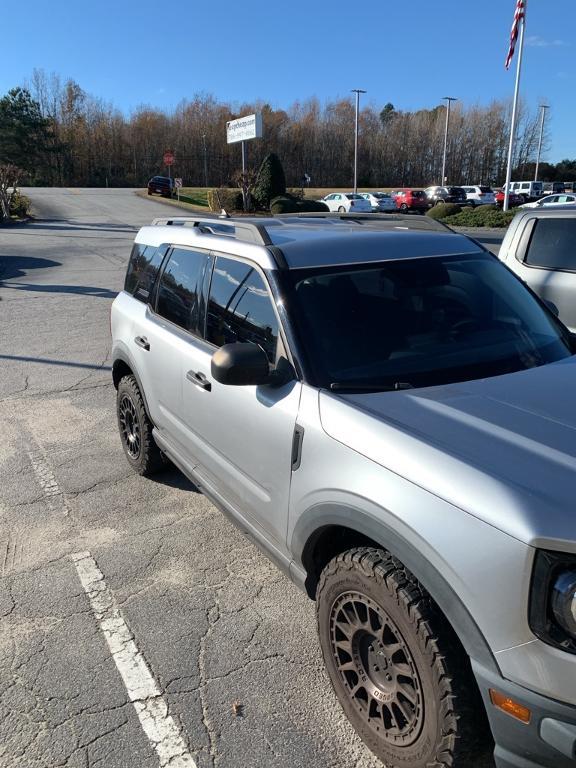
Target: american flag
[(519, 15)]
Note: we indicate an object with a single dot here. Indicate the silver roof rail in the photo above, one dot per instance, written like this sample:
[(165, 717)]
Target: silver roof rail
[(247, 231), (396, 220)]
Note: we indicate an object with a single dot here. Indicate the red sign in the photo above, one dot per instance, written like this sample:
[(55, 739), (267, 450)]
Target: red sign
[(168, 157)]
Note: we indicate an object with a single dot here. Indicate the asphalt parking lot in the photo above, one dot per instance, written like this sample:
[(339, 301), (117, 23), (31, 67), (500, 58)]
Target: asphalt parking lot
[(139, 628)]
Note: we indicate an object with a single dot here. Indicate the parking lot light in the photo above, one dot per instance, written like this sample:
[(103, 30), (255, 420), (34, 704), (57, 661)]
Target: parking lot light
[(357, 91), (448, 100)]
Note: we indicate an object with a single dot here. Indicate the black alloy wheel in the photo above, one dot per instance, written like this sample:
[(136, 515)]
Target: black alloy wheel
[(400, 674), (129, 421), (135, 429), (377, 668)]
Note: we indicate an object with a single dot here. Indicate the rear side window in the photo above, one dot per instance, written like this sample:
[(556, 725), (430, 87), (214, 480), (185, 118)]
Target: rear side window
[(142, 270), (552, 244), (180, 286), (485, 190), (240, 308)]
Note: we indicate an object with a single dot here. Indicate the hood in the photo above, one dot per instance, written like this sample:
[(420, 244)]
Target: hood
[(502, 449)]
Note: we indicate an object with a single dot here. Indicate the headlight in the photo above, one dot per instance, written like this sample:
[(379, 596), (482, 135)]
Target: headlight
[(552, 613), (564, 601)]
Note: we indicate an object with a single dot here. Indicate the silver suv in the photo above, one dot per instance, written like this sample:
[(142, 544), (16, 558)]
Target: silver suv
[(539, 248), (389, 413)]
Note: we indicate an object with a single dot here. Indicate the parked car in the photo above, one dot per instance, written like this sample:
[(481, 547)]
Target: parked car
[(539, 248), (554, 188), (379, 201), (549, 200), (161, 185), (513, 199), (411, 200), (399, 438), (346, 202), (478, 195), (437, 195), (528, 190)]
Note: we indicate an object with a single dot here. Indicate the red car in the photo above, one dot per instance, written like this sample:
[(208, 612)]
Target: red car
[(412, 200), (513, 199)]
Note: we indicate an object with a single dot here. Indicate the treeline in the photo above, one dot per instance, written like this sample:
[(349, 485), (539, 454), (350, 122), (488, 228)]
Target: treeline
[(70, 138)]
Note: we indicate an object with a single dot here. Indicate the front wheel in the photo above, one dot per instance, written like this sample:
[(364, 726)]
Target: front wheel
[(341, 209), (401, 676), (135, 428)]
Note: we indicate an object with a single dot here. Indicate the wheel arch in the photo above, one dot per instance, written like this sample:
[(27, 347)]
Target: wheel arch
[(123, 366), (340, 529)]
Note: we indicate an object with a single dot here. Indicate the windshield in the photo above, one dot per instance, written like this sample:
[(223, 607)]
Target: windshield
[(420, 322)]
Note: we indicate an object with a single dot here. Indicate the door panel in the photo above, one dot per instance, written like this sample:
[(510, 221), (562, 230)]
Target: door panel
[(241, 437)]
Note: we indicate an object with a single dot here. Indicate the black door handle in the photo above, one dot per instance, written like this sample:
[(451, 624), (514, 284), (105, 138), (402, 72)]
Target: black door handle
[(143, 342), (199, 379)]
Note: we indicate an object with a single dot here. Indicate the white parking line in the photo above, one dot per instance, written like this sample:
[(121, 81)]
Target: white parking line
[(143, 690)]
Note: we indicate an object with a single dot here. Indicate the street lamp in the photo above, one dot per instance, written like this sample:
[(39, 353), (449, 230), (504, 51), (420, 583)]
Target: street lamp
[(205, 161), (357, 91), (448, 100), (543, 107)]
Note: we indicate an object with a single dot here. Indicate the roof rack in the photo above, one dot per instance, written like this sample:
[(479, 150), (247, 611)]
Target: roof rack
[(248, 231), (377, 220)]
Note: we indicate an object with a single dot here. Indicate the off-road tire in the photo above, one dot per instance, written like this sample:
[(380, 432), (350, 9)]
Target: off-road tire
[(142, 453), (446, 725)]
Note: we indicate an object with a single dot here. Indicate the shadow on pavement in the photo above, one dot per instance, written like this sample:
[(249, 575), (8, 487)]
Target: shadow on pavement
[(51, 225), (172, 477), (83, 290), (17, 266), (49, 361)]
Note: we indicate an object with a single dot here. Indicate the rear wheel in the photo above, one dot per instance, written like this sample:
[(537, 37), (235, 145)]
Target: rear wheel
[(135, 428), (404, 207), (341, 209), (401, 676)]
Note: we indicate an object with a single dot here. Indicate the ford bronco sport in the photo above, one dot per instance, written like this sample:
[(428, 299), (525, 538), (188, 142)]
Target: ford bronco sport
[(389, 412)]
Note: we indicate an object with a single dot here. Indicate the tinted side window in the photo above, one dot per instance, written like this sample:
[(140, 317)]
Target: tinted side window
[(552, 244), (143, 267), (179, 288), (240, 308)]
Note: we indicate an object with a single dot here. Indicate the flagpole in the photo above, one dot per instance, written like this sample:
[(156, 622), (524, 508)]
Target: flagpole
[(515, 110)]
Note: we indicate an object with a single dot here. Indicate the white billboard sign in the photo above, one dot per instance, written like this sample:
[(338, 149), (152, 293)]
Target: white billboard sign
[(249, 127)]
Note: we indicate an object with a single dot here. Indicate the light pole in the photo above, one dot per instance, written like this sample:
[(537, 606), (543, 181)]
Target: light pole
[(543, 107), (205, 161), (448, 100), (357, 91)]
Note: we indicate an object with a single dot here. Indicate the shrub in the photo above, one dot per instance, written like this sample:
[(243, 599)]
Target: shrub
[(291, 204), (483, 216), (270, 181), (224, 197), (19, 205), (443, 210)]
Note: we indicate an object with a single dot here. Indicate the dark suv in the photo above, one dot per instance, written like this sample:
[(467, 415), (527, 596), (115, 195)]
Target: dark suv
[(161, 185), (446, 195)]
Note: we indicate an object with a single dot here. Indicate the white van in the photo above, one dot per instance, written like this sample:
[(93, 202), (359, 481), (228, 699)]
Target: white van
[(530, 190)]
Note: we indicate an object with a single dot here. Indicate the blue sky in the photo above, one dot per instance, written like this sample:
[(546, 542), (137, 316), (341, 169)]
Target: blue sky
[(410, 53)]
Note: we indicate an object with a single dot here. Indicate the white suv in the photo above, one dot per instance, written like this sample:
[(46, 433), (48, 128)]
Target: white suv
[(477, 195)]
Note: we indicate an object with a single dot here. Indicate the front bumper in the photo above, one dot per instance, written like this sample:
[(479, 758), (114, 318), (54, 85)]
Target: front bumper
[(547, 741)]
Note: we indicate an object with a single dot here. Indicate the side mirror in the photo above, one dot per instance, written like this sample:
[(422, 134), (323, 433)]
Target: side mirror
[(240, 365)]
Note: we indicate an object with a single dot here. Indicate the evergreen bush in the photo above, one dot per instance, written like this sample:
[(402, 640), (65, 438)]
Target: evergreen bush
[(443, 210), (270, 181)]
